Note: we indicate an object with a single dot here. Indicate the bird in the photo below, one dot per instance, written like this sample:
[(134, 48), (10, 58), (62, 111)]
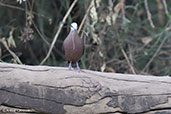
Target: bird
[(73, 47)]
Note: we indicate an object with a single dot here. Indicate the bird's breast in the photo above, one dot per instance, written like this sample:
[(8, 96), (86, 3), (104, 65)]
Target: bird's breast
[(73, 47)]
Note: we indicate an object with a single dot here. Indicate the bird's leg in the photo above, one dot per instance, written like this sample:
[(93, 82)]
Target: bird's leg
[(70, 65), (78, 68)]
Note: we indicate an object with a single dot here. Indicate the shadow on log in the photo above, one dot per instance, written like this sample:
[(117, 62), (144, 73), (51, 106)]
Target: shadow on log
[(58, 90)]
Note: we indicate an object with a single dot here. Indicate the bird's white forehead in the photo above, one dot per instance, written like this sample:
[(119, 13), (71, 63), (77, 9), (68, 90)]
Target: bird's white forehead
[(74, 26)]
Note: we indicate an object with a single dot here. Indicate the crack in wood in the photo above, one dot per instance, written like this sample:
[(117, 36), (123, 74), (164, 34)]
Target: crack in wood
[(143, 95), (113, 112), (66, 87), (74, 77), (9, 67), (130, 80), (94, 84), (157, 109)]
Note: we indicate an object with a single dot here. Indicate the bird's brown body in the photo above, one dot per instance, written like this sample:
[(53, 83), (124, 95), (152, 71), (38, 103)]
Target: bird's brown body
[(73, 47)]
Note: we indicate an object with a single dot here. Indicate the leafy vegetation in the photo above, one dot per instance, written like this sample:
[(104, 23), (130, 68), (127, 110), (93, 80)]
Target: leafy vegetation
[(125, 36)]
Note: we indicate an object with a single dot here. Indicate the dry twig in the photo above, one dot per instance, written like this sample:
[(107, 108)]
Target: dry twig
[(165, 7), (84, 19), (123, 11), (125, 55), (129, 63), (148, 14), (21, 9)]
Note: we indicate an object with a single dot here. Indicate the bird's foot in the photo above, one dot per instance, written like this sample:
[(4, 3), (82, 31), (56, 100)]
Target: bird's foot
[(70, 68), (70, 65), (78, 68)]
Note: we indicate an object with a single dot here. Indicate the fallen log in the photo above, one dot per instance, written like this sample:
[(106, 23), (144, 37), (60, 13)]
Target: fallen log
[(57, 90)]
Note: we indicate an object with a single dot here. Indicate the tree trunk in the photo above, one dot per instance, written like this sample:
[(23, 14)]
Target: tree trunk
[(58, 90)]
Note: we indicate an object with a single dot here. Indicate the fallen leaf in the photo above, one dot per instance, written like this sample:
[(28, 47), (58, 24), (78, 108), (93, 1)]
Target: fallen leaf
[(146, 40), (11, 42), (109, 69)]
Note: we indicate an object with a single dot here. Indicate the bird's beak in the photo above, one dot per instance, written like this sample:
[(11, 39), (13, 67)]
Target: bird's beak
[(73, 28)]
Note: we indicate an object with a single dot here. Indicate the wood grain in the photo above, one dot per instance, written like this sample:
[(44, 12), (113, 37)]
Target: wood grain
[(58, 90)]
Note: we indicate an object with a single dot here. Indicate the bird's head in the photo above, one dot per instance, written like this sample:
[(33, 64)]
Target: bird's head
[(73, 26)]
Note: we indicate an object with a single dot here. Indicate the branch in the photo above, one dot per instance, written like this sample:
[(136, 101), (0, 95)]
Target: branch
[(148, 14), (22, 9), (57, 90), (165, 7)]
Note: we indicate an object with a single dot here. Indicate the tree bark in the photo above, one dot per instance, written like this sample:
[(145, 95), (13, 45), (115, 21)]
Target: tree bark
[(58, 90)]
